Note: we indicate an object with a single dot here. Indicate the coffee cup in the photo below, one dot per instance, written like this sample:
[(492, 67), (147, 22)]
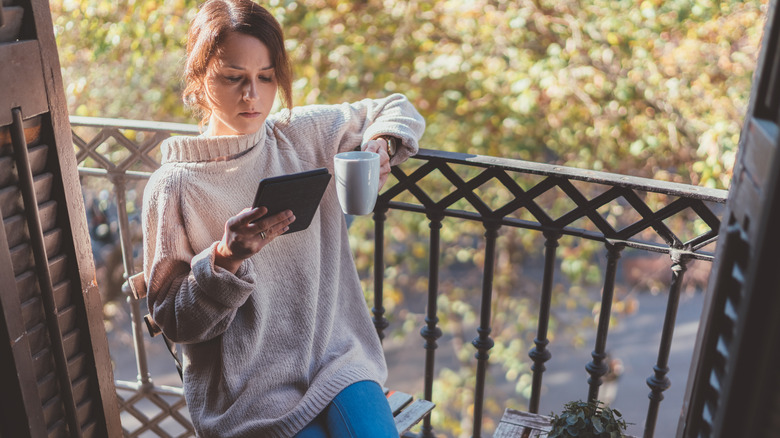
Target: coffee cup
[(357, 181)]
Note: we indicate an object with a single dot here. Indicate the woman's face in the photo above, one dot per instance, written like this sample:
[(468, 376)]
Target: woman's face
[(240, 86)]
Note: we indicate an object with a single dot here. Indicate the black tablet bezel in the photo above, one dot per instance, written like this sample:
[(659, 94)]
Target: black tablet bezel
[(300, 192)]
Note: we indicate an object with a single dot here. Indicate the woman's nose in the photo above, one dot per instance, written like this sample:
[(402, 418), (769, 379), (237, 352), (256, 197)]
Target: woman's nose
[(250, 92)]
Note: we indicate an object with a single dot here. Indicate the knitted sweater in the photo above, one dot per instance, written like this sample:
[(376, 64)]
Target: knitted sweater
[(265, 350)]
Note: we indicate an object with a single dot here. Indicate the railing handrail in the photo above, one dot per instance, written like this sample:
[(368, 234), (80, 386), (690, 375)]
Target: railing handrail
[(591, 176), (138, 125), (544, 169)]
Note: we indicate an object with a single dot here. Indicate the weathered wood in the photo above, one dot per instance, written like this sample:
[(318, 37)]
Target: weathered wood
[(42, 363), (43, 185), (21, 74), (38, 156), (52, 241), (21, 258), (412, 415), (10, 200), (90, 430), (18, 399), (81, 388), (733, 381), (16, 231), (27, 286), (526, 419), (398, 400), (58, 266), (62, 294), (47, 386), (507, 430), (74, 289), (67, 319), (520, 424), (72, 342), (58, 430), (39, 341), (7, 174), (32, 312), (52, 410), (406, 411)]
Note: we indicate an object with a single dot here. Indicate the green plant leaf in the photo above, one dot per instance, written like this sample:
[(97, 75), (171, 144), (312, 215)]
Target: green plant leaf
[(597, 426)]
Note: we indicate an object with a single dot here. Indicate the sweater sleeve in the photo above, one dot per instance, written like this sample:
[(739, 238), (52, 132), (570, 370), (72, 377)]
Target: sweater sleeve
[(325, 130), (190, 298)]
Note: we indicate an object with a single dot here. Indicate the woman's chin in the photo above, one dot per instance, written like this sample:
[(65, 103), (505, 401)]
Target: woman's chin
[(237, 129)]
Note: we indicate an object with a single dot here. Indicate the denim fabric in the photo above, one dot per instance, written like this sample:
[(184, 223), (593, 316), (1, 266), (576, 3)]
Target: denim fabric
[(359, 411)]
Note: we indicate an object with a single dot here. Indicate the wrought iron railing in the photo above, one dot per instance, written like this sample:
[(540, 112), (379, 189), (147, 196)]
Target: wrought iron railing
[(588, 196)]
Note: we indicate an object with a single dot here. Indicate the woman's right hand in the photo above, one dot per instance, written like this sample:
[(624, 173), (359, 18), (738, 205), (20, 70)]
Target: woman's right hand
[(247, 233)]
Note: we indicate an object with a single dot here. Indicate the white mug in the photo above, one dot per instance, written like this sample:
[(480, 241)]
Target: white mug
[(357, 181)]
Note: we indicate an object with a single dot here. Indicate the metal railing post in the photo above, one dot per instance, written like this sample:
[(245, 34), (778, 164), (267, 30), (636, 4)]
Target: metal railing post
[(658, 382), (539, 354), (430, 332), (380, 322), (126, 243), (597, 368), (484, 342)]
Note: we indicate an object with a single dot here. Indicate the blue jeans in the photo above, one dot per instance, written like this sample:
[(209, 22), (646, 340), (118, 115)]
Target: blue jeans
[(360, 410)]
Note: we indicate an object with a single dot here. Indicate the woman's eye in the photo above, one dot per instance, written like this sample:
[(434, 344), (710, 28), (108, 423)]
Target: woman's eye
[(232, 78), (266, 78)]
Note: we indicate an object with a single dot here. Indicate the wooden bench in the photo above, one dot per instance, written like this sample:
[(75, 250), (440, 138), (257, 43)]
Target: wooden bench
[(406, 411), (519, 424)]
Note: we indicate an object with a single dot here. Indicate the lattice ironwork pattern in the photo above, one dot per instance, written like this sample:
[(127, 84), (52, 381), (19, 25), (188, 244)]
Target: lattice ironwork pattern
[(160, 410), (122, 154), (572, 212)]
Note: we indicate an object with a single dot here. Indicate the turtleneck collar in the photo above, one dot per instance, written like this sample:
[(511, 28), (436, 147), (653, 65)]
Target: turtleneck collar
[(207, 148)]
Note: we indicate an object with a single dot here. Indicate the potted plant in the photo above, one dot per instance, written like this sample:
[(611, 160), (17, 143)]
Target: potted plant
[(590, 419)]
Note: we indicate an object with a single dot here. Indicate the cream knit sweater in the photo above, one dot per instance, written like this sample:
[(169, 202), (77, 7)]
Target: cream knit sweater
[(267, 349)]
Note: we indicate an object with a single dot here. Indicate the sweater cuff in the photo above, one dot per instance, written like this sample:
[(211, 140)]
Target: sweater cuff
[(220, 284)]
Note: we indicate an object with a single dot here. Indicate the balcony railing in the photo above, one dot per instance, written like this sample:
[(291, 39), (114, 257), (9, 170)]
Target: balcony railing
[(551, 201)]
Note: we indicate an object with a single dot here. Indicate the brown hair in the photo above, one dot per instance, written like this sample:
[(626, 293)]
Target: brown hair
[(208, 29)]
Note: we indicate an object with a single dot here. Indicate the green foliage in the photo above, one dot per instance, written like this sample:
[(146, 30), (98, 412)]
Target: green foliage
[(587, 420), (123, 58), (654, 88)]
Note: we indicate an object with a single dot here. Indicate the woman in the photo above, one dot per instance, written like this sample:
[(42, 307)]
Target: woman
[(277, 337)]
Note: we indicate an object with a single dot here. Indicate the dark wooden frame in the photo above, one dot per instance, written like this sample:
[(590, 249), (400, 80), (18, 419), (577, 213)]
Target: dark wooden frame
[(32, 96)]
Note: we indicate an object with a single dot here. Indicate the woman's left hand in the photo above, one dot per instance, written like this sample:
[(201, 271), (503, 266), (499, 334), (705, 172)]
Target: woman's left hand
[(379, 146)]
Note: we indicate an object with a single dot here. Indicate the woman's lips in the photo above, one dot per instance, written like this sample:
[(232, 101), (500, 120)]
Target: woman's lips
[(250, 115)]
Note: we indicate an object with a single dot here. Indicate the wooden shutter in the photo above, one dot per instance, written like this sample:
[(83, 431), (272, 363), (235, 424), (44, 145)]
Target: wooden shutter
[(55, 370), (733, 386)]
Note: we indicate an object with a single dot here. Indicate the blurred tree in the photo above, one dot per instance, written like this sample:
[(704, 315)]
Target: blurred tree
[(653, 88)]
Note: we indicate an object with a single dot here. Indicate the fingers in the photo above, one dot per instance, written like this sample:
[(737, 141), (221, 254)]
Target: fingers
[(247, 233), (384, 172), (374, 145), (254, 221), (270, 227), (380, 146), (246, 217)]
